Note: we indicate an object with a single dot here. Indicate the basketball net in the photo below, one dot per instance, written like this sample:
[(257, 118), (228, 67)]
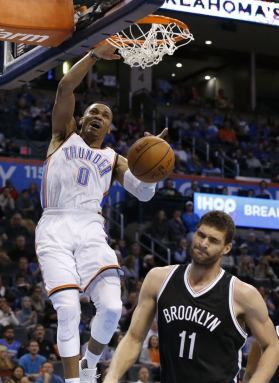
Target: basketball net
[(144, 49)]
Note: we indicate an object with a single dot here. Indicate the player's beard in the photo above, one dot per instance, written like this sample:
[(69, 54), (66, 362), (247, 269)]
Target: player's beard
[(205, 261)]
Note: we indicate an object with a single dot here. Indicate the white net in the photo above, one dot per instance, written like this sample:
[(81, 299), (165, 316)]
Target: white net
[(145, 49)]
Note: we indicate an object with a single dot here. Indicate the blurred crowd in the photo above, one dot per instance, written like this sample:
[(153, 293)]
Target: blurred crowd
[(209, 140), (28, 351)]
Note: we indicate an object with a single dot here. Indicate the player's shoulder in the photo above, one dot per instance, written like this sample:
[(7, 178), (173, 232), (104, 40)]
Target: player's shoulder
[(157, 276), (244, 293)]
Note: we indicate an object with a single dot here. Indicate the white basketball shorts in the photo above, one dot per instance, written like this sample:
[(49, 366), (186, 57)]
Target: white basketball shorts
[(72, 249)]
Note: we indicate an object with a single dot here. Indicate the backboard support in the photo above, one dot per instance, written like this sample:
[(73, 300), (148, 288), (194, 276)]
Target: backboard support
[(17, 68)]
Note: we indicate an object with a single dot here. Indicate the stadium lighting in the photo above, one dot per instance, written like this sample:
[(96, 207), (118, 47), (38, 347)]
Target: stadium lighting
[(208, 42), (179, 65), (207, 78), (173, 75)]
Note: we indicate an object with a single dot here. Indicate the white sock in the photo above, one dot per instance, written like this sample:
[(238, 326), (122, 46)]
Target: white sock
[(72, 380), (92, 359)]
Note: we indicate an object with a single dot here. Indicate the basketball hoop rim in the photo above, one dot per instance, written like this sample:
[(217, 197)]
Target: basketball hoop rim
[(153, 19)]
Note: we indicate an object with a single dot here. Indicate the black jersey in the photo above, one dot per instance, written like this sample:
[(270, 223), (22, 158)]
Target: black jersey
[(200, 339)]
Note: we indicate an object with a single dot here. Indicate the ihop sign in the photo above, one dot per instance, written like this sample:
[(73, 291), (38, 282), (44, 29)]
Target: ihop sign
[(246, 212)]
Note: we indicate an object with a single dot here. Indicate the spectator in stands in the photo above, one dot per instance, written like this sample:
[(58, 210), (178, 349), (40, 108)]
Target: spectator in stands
[(262, 191), (194, 165), (253, 245), (5, 292), (136, 252), (25, 205), (27, 317), (16, 227), (129, 268), (222, 101), (20, 289), (21, 249), (190, 219), (181, 255), (32, 361), (9, 341), (152, 331), (246, 269), (227, 134), (150, 356), (47, 348), (148, 264), (7, 316), (176, 226), (38, 302), (12, 189), (159, 228), (210, 170), (143, 375), (263, 270), (189, 192), (228, 263), (7, 203), (6, 363), (47, 374), (5, 260), (254, 165), (168, 190), (266, 244), (273, 260), (18, 376)]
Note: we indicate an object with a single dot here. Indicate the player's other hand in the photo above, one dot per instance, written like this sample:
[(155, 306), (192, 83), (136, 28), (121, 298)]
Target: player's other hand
[(106, 52), (162, 135)]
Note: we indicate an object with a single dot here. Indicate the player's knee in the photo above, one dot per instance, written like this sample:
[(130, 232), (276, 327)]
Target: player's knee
[(111, 312), (68, 318)]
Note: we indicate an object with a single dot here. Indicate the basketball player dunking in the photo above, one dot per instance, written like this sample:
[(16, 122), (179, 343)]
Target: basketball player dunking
[(202, 313), (71, 243)]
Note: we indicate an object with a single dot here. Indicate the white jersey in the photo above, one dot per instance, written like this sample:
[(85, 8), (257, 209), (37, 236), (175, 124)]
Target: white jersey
[(77, 176)]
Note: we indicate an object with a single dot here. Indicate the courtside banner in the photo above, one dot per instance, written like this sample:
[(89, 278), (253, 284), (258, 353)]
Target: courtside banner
[(246, 212), (246, 10)]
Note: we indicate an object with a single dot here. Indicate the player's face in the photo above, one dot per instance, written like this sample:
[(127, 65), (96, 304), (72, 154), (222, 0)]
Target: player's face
[(96, 122), (208, 246)]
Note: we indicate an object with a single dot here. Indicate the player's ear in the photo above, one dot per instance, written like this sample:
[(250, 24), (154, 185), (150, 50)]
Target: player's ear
[(228, 248), (80, 122)]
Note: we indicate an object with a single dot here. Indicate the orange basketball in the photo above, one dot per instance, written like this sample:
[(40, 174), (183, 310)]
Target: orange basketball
[(151, 159)]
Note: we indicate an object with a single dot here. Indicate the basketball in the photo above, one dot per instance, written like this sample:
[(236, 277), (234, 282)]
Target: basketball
[(151, 159)]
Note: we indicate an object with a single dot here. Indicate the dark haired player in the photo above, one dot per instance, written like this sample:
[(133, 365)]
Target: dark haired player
[(202, 313)]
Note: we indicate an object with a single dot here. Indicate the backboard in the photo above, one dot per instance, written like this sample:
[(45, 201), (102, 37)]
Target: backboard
[(21, 63)]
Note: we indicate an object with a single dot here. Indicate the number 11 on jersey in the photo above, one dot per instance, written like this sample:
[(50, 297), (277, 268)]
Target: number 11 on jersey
[(192, 338)]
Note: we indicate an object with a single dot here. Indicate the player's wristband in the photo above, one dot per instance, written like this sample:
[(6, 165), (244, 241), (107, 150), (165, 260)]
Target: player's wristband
[(93, 55)]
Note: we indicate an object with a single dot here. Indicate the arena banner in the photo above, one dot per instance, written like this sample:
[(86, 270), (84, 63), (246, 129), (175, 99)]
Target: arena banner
[(256, 11), (24, 172), (246, 212)]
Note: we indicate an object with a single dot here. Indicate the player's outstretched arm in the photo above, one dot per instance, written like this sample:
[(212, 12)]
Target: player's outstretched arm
[(62, 116), (129, 348), (257, 319)]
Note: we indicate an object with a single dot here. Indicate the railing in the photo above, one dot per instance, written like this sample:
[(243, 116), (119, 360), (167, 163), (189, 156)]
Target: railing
[(115, 217), (152, 248)]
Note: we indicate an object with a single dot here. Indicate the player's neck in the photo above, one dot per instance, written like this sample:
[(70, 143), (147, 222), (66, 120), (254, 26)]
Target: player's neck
[(199, 276)]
